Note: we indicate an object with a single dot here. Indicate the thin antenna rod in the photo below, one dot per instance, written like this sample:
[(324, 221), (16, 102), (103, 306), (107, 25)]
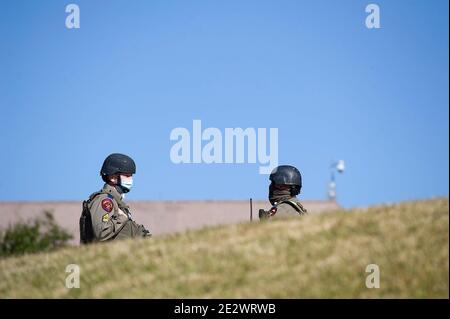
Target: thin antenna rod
[(251, 209)]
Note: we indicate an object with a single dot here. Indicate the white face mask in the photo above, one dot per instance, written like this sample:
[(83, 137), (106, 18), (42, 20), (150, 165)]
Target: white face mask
[(126, 182)]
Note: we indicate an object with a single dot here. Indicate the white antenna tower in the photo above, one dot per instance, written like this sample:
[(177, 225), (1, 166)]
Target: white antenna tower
[(339, 166)]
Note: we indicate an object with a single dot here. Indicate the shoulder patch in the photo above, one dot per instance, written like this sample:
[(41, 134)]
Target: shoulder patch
[(107, 205), (105, 218)]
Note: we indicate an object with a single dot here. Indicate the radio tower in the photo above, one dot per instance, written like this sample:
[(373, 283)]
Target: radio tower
[(338, 166)]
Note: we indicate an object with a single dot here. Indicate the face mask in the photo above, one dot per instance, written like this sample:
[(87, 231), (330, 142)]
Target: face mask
[(126, 182)]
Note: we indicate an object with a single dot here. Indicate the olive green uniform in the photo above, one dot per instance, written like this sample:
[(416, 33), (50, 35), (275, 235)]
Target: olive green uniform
[(284, 208), (111, 217)]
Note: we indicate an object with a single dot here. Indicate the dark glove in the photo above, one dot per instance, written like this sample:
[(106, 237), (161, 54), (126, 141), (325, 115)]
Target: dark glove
[(145, 232), (263, 214)]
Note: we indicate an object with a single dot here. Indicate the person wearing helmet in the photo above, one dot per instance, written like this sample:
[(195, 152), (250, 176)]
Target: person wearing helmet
[(286, 184), (105, 214)]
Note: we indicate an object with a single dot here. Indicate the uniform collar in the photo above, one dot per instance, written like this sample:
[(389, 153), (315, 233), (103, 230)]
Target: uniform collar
[(108, 189), (291, 199)]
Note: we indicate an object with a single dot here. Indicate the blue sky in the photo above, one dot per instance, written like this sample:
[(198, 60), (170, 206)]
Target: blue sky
[(135, 70)]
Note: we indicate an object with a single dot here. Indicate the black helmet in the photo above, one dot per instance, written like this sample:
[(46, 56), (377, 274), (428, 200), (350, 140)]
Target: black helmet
[(287, 175), (118, 163)]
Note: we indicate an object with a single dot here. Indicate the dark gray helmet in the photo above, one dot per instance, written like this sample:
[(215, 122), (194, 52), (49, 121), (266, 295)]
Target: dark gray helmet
[(286, 175), (118, 163)]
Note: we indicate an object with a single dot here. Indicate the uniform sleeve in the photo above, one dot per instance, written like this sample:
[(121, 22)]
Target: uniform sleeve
[(133, 230), (106, 221)]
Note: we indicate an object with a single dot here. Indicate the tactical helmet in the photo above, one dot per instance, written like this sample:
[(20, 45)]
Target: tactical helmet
[(287, 175), (118, 163)]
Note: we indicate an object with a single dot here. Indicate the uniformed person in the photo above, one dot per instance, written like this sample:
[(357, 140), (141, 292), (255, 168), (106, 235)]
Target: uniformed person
[(286, 183), (105, 214)]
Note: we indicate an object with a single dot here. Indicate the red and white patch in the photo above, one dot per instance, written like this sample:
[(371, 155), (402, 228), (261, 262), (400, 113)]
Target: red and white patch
[(107, 205), (273, 211)]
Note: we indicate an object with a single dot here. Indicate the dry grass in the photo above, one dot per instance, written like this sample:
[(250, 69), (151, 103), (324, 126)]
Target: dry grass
[(321, 256)]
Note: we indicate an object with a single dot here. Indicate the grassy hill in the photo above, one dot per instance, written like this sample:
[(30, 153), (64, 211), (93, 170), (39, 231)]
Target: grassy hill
[(317, 256)]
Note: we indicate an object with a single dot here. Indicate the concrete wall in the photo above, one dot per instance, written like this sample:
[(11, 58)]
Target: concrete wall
[(160, 217)]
